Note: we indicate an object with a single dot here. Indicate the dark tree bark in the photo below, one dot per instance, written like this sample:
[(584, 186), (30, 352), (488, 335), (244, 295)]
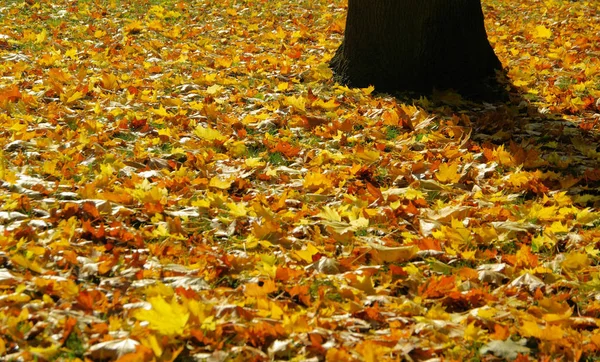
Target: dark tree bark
[(415, 45)]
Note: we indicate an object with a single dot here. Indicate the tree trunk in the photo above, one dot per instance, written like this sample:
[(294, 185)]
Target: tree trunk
[(414, 45)]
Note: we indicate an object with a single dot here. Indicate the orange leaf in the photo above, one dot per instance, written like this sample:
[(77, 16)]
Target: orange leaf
[(374, 191), (68, 328), (338, 355), (438, 287), (500, 332), (90, 209), (260, 289)]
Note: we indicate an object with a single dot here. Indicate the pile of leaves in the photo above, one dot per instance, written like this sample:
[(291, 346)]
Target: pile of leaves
[(184, 180)]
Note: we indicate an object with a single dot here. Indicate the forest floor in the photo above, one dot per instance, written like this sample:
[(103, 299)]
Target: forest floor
[(183, 180)]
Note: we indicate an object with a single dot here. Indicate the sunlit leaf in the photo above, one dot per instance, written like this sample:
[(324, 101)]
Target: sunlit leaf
[(220, 183), (166, 318), (209, 134), (394, 254), (542, 32), (191, 179), (307, 253), (448, 173)]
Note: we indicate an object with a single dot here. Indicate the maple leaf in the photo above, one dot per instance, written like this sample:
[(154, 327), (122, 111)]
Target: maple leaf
[(211, 148), (169, 319), (575, 261), (45, 353), (329, 105), (317, 181), (297, 103), (549, 332), (307, 253), (208, 134), (220, 183), (330, 214), (448, 173), (394, 254), (542, 32), (41, 37)]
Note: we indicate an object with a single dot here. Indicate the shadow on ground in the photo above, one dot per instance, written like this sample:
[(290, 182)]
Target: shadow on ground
[(563, 148)]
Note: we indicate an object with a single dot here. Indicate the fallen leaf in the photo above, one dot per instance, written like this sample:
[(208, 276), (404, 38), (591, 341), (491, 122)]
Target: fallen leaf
[(507, 349), (166, 318)]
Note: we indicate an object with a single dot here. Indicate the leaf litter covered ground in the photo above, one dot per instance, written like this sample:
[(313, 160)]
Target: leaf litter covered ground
[(185, 181)]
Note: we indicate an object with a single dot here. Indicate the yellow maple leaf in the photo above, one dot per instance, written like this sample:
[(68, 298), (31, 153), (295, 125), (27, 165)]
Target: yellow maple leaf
[(359, 223), (412, 194), (555, 311), (160, 111), (521, 82), (297, 103), (155, 25), (394, 254), (168, 319), (46, 353), (317, 180), (214, 89), (548, 333), (152, 342), (71, 53), (237, 148), (237, 209), (276, 312), (540, 212), (557, 227), (307, 253), (456, 234), (486, 234), (371, 351), (322, 72), (368, 90), (585, 216), (562, 199), (471, 332), (504, 157), (329, 214), (487, 313), (448, 173), (220, 183), (158, 289), (39, 38), (254, 162), (519, 179), (575, 261), (32, 265), (209, 134), (77, 95), (328, 106), (167, 132), (110, 81), (367, 155), (223, 62), (542, 32), (135, 26), (363, 283), (542, 240)]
